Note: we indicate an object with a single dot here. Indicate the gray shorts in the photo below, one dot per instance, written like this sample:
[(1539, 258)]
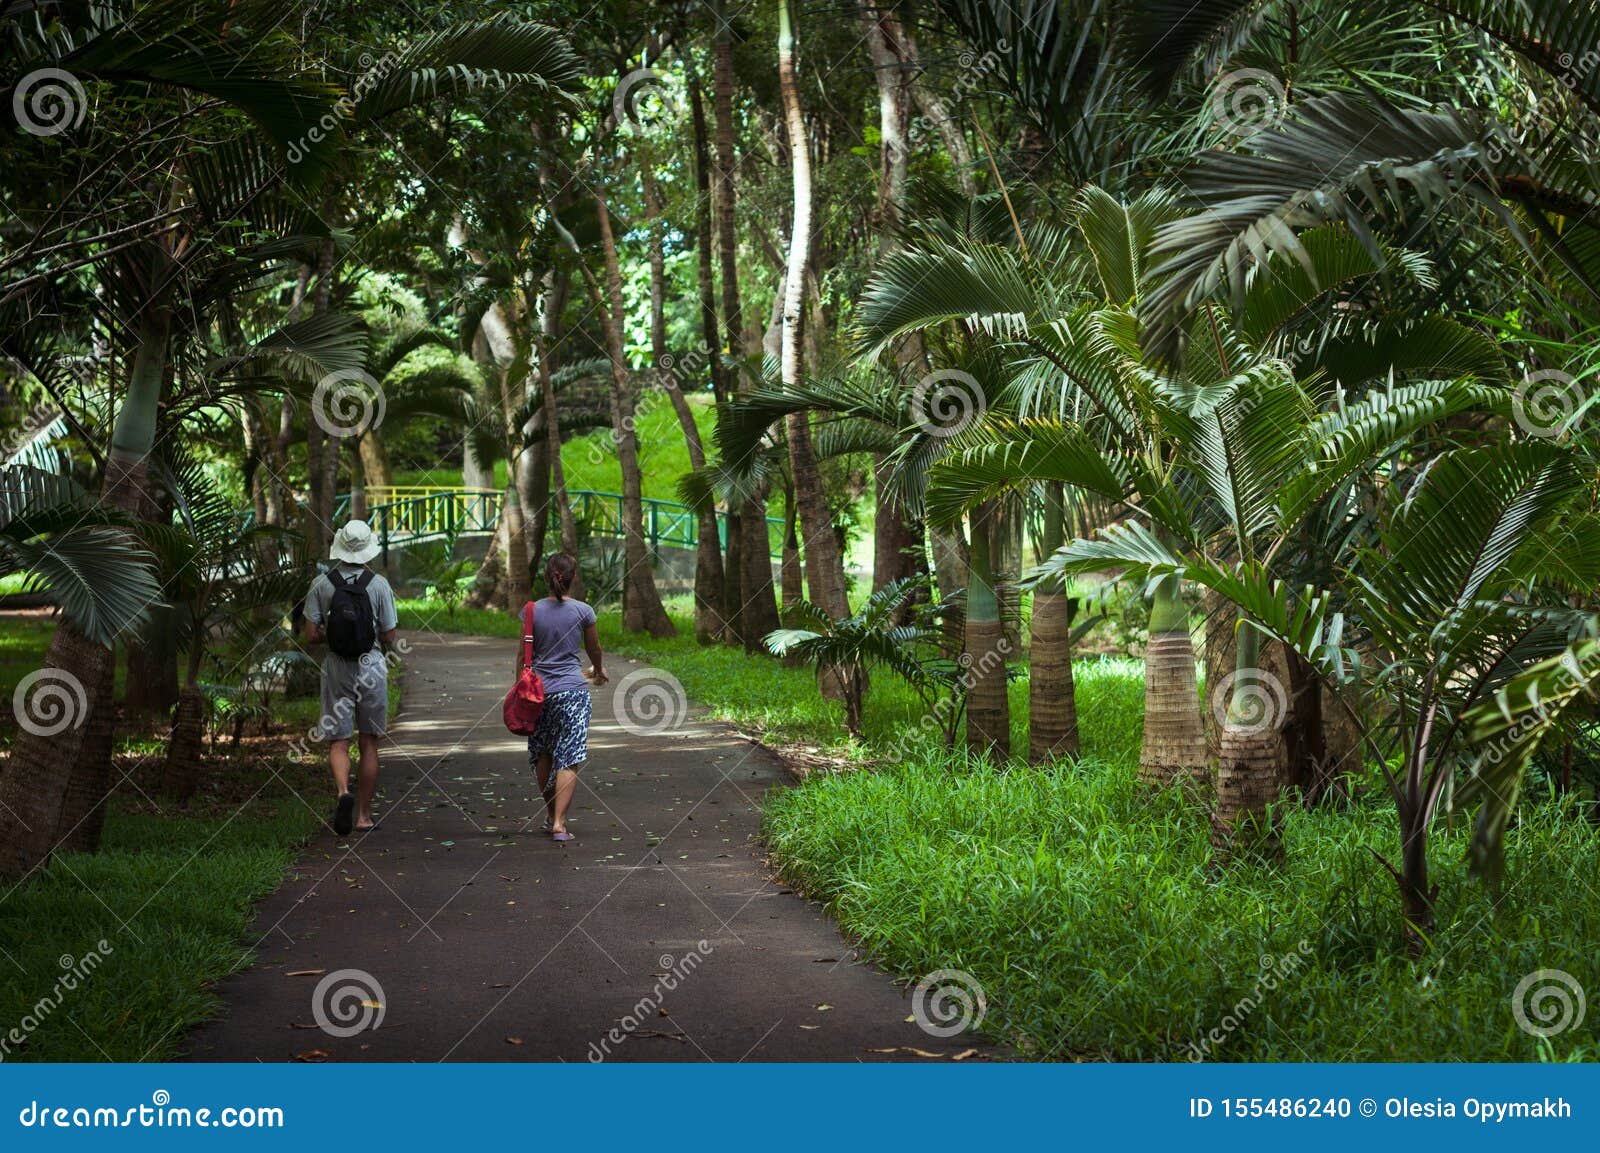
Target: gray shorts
[(355, 696)]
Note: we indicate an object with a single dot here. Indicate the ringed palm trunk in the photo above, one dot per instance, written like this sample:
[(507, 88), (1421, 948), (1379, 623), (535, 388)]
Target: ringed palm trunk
[(1250, 761), (984, 649), (1052, 710), (1174, 735)]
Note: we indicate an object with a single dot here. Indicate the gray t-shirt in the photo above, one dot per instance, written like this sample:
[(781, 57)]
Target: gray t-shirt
[(557, 640), (379, 595)]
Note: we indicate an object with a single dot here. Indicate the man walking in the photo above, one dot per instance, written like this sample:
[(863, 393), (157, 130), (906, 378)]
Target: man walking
[(352, 608)]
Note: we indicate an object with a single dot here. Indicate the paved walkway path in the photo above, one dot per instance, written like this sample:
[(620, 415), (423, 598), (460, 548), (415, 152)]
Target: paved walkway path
[(491, 942)]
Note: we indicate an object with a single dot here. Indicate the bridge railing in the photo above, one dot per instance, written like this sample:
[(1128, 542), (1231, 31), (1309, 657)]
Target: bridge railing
[(408, 514)]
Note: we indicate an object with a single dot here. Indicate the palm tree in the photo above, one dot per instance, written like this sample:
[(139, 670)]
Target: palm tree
[(103, 583), (1463, 586), (872, 637), (215, 578)]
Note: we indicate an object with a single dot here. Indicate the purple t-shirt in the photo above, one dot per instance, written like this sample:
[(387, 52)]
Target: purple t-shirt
[(557, 642)]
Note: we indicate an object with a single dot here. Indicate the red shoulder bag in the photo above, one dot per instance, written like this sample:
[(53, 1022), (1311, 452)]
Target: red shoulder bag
[(525, 701)]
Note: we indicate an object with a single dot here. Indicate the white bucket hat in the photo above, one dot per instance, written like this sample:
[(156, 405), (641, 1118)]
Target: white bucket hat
[(355, 543)]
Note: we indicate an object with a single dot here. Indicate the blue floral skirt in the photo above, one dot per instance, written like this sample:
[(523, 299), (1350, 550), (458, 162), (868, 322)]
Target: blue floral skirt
[(563, 730)]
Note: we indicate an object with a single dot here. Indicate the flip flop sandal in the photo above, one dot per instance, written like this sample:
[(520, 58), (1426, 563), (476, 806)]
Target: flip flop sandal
[(344, 814), (562, 837)]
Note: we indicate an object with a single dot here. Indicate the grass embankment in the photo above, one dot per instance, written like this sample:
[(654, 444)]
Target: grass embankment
[(171, 892), (1090, 913)]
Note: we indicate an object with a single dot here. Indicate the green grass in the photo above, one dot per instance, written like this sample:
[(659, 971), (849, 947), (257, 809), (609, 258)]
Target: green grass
[(172, 896), (172, 893), (1088, 911)]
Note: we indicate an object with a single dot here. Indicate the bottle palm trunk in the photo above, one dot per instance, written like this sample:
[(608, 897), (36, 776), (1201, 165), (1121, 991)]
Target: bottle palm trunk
[(1052, 709), (1250, 760), (1174, 746), (984, 651)]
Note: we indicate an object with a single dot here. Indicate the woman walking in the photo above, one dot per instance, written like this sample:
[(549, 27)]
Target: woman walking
[(560, 741)]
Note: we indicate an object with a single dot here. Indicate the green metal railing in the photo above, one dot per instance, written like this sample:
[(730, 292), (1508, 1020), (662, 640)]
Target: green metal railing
[(403, 516)]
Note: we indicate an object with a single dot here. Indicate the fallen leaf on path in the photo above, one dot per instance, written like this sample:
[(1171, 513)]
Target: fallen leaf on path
[(305, 972), (513, 1040), (964, 1054), (823, 1008), (312, 1055), (810, 1026)]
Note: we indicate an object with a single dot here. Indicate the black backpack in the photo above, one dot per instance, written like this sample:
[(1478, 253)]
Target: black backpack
[(352, 631)]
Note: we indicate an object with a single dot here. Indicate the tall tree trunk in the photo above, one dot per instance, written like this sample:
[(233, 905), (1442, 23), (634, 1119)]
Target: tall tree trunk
[(322, 447), (824, 565), (498, 330), (894, 537), (885, 44), (376, 472), (985, 648), (792, 576), (710, 331), (708, 621), (1052, 711), (551, 302), (642, 610), (1174, 734), (757, 607), (490, 577)]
